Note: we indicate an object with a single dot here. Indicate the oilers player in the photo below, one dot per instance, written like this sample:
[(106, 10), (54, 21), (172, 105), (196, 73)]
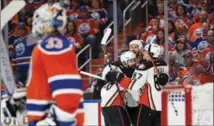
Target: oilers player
[(112, 97), (145, 86), (54, 89)]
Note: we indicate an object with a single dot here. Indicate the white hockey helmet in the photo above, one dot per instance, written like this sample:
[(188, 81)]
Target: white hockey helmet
[(125, 56), (47, 18), (137, 42), (154, 50)]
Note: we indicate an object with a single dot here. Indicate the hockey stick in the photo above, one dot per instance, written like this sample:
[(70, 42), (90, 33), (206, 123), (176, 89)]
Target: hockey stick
[(7, 14), (103, 44), (11, 10), (91, 75)]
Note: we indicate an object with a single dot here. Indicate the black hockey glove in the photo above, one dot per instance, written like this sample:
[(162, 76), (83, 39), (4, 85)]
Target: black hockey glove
[(114, 76), (162, 79)]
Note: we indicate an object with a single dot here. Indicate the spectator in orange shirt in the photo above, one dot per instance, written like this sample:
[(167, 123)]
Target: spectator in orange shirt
[(183, 73), (200, 77), (203, 18)]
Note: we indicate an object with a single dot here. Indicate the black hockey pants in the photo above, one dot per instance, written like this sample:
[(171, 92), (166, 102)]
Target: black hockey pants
[(147, 116), (115, 116)]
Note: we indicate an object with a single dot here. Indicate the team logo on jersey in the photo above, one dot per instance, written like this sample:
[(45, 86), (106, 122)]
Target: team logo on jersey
[(84, 28), (141, 66), (73, 16), (95, 15), (202, 45), (72, 40), (20, 49)]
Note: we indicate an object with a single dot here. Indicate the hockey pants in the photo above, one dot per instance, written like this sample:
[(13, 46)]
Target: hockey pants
[(147, 116), (132, 113), (115, 116)]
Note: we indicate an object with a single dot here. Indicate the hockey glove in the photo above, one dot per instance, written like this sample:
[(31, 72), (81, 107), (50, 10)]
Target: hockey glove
[(162, 79), (114, 76)]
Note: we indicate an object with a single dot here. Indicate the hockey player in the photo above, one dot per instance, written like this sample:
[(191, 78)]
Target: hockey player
[(54, 89), (136, 47), (149, 81), (113, 96), (149, 110)]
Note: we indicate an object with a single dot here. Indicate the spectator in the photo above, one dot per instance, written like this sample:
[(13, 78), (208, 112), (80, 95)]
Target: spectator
[(172, 33), (21, 55), (99, 14), (73, 36), (181, 17), (205, 29), (188, 61), (200, 77), (180, 50), (160, 40), (88, 28), (183, 73), (210, 38), (203, 18), (74, 12)]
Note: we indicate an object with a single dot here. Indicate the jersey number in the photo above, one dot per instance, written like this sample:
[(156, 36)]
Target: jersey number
[(108, 86), (54, 43), (135, 77)]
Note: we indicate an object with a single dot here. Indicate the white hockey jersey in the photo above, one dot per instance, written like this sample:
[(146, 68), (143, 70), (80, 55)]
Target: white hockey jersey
[(144, 74), (113, 94)]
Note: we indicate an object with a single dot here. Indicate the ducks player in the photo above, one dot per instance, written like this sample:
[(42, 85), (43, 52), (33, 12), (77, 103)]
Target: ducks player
[(112, 96), (54, 87), (149, 109)]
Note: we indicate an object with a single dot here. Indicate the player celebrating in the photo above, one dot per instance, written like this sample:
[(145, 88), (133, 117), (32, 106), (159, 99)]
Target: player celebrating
[(149, 110), (113, 96), (154, 72), (54, 87)]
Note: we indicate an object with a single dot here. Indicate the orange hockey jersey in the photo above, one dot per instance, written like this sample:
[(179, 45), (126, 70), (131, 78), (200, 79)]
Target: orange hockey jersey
[(53, 79)]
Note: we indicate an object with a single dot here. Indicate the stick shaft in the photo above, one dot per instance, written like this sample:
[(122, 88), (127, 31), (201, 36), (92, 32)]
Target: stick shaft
[(91, 75)]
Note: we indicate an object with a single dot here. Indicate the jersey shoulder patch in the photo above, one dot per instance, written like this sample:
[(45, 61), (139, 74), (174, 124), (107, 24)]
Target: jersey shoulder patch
[(144, 65), (55, 45)]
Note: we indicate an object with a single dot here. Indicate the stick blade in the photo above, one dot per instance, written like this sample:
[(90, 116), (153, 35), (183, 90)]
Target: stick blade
[(106, 36), (11, 10)]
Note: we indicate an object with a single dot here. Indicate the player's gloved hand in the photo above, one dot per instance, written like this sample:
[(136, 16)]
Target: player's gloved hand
[(114, 76), (162, 79)]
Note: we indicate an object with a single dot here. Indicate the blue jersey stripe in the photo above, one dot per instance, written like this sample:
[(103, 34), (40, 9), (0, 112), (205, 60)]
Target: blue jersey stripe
[(33, 107), (66, 84)]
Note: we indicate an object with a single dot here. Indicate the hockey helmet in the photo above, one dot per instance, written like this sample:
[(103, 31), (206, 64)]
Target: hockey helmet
[(126, 56), (49, 17), (154, 50), (137, 42)]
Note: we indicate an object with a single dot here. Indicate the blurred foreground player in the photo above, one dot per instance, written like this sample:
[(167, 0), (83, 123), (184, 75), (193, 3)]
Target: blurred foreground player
[(54, 89)]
